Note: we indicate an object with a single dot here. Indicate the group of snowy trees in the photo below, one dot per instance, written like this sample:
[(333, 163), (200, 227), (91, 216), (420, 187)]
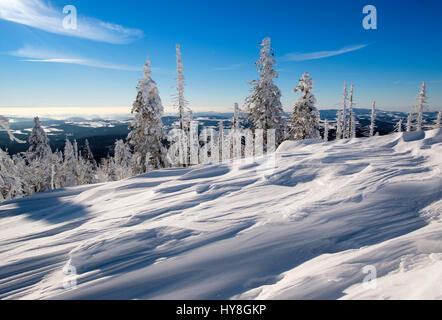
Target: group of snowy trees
[(346, 125), (148, 147), (38, 169), (415, 119)]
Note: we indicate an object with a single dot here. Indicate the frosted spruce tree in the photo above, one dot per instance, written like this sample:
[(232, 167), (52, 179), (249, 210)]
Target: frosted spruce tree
[(79, 164), (398, 126), (57, 171), (38, 142), (38, 157), (87, 153), (75, 146), (70, 165), (344, 111), (104, 171), (409, 121), (10, 178), (122, 160), (185, 153), (236, 113), (146, 135), (351, 125), (438, 119), (181, 102), (264, 105), (339, 129), (88, 165), (220, 139), (304, 121), (24, 173), (236, 134), (421, 101), (326, 130), (373, 119)]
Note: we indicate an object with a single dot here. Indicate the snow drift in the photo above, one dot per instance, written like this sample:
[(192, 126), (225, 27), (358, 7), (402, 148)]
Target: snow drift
[(302, 229)]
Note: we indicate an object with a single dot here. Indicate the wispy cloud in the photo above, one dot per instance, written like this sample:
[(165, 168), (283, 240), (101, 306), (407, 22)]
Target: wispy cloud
[(321, 54), (39, 55), (38, 14)]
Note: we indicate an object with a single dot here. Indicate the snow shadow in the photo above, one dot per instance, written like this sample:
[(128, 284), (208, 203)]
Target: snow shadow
[(48, 206)]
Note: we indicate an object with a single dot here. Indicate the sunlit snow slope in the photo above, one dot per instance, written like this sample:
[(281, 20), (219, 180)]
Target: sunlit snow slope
[(242, 230)]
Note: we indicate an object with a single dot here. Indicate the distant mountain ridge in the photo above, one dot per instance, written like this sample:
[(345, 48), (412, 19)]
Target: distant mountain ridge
[(102, 132)]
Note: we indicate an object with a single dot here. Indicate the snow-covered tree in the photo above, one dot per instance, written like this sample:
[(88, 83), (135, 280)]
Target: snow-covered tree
[(351, 126), (87, 153), (224, 142), (57, 171), (182, 151), (235, 120), (38, 142), (122, 160), (105, 171), (10, 181), (24, 173), (304, 121), (70, 170), (373, 119), (220, 139), (344, 111), (421, 101), (4, 123), (339, 125), (438, 119), (264, 105), (325, 130), (409, 121), (75, 146), (38, 157), (181, 102), (178, 151), (146, 135), (203, 139), (398, 126), (88, 165)]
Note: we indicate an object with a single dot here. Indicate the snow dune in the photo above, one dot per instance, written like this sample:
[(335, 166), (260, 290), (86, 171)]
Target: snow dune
[(302, 229)]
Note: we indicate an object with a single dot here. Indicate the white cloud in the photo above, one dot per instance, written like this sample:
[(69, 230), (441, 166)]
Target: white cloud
[(40, 15), (39, 55), (321, 54)]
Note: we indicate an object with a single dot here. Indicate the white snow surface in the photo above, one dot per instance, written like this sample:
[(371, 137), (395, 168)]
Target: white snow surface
[(243, 229)]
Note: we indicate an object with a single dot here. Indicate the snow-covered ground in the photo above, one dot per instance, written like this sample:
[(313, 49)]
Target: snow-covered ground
[(304, 229)]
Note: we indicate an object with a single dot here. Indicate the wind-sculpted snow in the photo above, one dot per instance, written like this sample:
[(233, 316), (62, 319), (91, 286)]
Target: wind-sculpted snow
[(304, 228)]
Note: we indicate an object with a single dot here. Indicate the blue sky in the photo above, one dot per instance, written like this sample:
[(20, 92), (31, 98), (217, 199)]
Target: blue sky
[(98, 65)]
